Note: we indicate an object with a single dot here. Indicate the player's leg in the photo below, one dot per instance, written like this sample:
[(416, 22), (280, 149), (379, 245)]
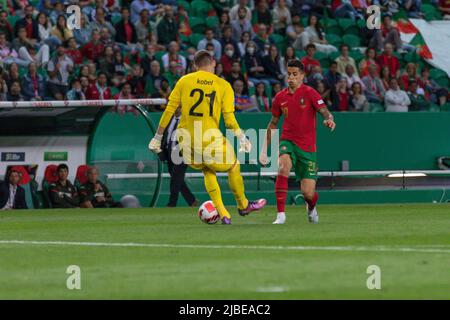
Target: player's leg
[(308, 188), (281, 186), (213, 189), (236, 184)]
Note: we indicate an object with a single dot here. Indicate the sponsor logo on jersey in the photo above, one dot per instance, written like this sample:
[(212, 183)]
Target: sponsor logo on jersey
[(205, 82)]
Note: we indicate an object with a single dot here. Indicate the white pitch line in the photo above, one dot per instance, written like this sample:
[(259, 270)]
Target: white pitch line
[(245, 247)]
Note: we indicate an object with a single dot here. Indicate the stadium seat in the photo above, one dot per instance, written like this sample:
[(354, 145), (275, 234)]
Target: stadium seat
[(333, 55), (300, 53), (212, 22), (357, 55), (334, 39), (198, 25), (348, 26), (434, 108), (12, 20), (115, 19), (195, 38), (323, 59), (185, 5), (431, 12), (81, 176), (332, 27), (446, 107), (351, 40), (376, 107), (50, 176), (200, 8), (279, 40)]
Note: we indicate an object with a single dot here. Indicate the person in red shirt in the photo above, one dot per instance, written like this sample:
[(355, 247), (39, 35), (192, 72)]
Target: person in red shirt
[(94, 48), (100, 89), (387, 59), (308, 60), (125, 30), (409, 74), (341, 99), (73, 51), (298, 104)]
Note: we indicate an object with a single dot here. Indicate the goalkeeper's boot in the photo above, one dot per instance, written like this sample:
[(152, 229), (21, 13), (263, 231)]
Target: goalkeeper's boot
[(253, 206), (313, 216), (281, 218), (226, 220)]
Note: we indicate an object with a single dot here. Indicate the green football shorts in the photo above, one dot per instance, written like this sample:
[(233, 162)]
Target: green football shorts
[(303, 163)]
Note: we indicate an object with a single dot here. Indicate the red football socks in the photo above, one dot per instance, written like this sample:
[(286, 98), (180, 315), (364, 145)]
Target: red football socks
[(312, 203), (281, 189)]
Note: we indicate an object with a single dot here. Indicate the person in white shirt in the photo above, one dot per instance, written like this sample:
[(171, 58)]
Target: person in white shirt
[(396, 100)]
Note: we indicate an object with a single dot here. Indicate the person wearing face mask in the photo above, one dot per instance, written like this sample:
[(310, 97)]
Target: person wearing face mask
[(228, 39), (228, 58), (76, 93)]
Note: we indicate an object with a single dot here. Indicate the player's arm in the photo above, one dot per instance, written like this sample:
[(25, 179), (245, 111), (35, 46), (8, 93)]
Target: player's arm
[(328, 119), (273, 124), (172, 105)]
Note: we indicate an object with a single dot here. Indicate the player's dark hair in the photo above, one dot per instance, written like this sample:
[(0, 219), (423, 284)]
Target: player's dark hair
[(202, 58), (62, 166), (295, 63)]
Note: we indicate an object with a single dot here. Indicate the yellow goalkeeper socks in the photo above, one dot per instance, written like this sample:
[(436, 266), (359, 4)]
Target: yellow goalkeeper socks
[(213, 189), (236, 184)]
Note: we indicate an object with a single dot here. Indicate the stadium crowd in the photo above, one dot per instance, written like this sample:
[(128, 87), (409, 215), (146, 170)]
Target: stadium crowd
[(134, 49)]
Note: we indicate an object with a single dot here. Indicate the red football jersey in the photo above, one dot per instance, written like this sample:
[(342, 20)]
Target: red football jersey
[(299, 111)]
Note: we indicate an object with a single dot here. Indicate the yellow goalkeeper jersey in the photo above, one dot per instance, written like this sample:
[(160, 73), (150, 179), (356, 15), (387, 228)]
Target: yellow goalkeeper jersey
[(203, 98)]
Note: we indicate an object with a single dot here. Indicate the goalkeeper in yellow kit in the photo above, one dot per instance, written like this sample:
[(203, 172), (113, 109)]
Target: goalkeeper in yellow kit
[(203, 98)]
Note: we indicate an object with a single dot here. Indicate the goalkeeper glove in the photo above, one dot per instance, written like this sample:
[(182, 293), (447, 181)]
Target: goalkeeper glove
[(155, 144), (244, 144)]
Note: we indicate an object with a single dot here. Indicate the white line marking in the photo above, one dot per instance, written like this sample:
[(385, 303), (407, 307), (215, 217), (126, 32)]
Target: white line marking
[(218, 246), (272, 289)]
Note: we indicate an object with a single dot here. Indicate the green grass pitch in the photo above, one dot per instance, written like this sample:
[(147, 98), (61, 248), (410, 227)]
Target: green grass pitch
[(169, 254)]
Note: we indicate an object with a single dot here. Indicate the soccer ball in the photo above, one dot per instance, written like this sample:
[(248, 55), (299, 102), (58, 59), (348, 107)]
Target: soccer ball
[(208, 213)]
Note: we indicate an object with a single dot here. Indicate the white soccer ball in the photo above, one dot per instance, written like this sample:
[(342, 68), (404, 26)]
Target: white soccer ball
[(208, 213)]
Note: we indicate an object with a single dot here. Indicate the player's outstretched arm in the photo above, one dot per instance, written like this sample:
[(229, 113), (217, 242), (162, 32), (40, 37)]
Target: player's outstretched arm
[(172, 105), (328, 119), (231, 123), (273, 124)]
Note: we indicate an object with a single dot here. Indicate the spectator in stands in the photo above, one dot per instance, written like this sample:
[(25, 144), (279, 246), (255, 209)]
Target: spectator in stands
[(93, 50), (417, 97), (317, 37), (433, 91), (5, 26), (100, 22), (358, 100), (173, 74), (84, 84), (385, 77), (137, 6), (228, 58), (59, 69), (276, 88), (58, 10), (154, 78), (126, 32), (351, 77), (370, 59), (253, 64), (100, 89), (344, 9), (173, 56), (105, 37), (308, 60), (74, 52), (387, 34), (324, 92), (45, 31), (29, 50), (259, 99), (242, 102), (236, 74), (298, 37), (281, 17), (241, 25), (76, 91), (242, 44), (272, 65), (413, 8), (33, 84), (83, 35), (306, 7), (12, 196), (62, 193), (137, 81), (262, 14), (262, 38), (14, 91), (332, 77), (7, 54), (241, 6), (410, 74), (144, 29), (148, 58), (30, 25), (209, 38), (374, 89), (167, 27), (3, 90), (387, 59), (314, 76), (12, 74), (341, 97), (396, 100), (60, 30), (163, 93), (227, 38), (444, 6), (344, 59), (289, 54)]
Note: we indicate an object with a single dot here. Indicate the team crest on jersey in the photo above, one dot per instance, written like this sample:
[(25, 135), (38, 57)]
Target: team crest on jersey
[(302, 103)]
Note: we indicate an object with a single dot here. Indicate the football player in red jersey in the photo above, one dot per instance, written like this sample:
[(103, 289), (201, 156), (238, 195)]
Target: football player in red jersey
[(298, 104)]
